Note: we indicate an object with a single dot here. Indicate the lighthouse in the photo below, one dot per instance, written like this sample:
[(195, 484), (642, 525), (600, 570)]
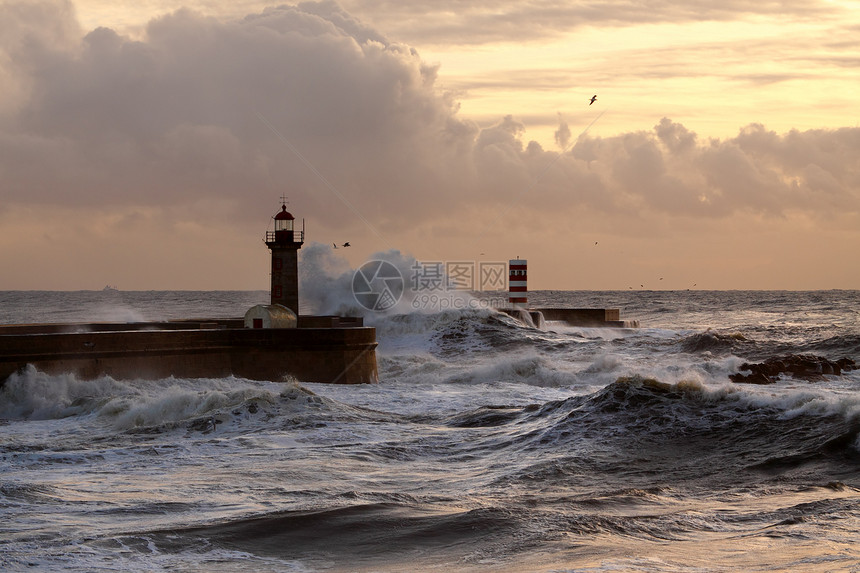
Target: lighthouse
[(285, 242), (517, 282)]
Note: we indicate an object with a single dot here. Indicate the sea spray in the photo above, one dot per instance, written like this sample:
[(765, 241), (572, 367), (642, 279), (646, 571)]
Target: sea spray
[(34, 395), (327, 287)]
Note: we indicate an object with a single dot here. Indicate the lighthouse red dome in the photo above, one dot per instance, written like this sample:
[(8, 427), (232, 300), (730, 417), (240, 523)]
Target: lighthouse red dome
[(284, 214)]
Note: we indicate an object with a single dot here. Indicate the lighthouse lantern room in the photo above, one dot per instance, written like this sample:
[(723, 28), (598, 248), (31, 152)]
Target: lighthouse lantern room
[(285, 242)]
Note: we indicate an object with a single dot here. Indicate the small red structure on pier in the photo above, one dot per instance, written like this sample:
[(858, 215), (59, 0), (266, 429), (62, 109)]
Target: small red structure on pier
[(517, 282)]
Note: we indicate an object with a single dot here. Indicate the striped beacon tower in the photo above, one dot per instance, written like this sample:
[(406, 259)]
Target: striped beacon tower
[(517, 289)]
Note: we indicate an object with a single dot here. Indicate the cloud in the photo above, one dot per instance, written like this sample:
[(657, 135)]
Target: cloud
[(451, 22), (175, 118), (176, 115), (227, 115)]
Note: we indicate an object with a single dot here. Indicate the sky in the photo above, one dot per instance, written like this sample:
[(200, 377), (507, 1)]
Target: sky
[(147, 144)]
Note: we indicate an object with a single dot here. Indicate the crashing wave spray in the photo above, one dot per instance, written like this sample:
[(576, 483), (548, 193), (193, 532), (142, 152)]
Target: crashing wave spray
[(328, 287)]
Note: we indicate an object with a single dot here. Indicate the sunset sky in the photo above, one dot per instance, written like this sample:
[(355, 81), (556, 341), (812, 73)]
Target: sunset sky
[(146, 146)]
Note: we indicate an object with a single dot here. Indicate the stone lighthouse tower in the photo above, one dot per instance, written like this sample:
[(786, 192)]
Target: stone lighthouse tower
[(285, 242)]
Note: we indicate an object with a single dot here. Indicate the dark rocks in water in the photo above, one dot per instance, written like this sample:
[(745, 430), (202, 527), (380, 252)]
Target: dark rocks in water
[(804, 366)]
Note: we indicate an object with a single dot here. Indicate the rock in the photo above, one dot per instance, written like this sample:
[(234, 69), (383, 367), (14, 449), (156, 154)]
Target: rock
[(803, 366), (754, 378)]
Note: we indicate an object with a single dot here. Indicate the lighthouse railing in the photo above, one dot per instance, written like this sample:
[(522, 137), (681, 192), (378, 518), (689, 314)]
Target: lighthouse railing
[(285, 236)]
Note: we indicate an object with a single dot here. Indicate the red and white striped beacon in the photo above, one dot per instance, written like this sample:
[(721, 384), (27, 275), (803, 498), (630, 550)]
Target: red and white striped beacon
[(517, 279)]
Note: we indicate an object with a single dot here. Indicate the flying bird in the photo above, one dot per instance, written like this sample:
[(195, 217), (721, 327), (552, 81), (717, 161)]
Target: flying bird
[(334, 245), (593, 99), (346, 244)]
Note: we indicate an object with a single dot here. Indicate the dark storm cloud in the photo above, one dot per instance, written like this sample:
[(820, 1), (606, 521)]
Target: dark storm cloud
[(202, 110), (177, 116)]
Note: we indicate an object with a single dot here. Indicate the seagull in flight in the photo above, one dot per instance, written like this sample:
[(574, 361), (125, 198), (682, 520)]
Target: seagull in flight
[(593, 99), (346, 244)]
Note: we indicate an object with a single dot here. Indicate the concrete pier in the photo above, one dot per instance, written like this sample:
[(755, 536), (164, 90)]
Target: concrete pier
[(585, 317), (271, 342), (323, 349)]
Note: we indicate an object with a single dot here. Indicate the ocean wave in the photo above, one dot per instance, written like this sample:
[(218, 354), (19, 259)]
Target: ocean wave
[(636, 427), (386, 532), (714, 342), (697, 405), (844, 446), (530, 369), (450, 331), (201, 410), (430, 322), (834, 346), (200, 405), (412, 367), (392, 536), (34, 395), (15, 493)]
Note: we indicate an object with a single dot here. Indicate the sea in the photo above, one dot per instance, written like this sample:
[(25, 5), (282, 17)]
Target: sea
[(487, 445)]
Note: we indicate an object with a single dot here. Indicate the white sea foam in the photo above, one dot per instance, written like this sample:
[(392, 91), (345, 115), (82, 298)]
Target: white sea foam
[(32, 394), (175, 404), (793, 401), (523, 368), (118, 313), (142, 555)]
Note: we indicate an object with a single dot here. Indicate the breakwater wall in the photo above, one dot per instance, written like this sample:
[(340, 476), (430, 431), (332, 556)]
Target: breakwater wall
[(326, 349), (585, 317)]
